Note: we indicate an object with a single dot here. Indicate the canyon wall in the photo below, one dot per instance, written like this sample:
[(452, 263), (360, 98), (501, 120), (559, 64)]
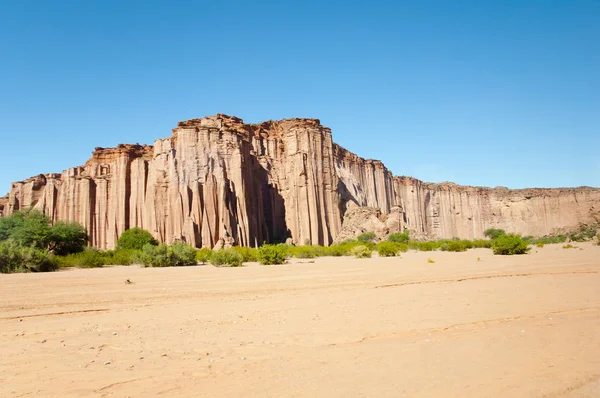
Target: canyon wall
[(217, 178)]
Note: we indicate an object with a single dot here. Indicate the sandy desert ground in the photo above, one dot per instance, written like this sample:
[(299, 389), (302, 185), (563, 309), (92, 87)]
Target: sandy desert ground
[(469, 325)]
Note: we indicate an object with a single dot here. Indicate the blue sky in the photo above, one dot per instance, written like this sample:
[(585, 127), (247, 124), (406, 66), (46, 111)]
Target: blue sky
[(481, 93)]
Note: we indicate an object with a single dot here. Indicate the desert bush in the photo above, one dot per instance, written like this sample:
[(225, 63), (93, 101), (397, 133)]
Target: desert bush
[(176, 255), (349, 241), (248, 254), (540, 244), (272, 254), (123, 257), (569, 246), (305, 251), (154, 256), (387, 249), (549, 239), (422, 246), (430, 261), (366, 237), (181, 254), (467, 243), (399, 238), (203, 255), (15, 258), (11, 258), (584, 232), (510, 244), (89, 258), (226, 258), (493, 233), (337, 250), (454, 246), (38, 260), (482, 243), (402, 247), (135, 238), (361, 251)]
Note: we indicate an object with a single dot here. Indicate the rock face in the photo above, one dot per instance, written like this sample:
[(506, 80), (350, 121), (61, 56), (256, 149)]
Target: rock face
[(3, 203), (217, 179)]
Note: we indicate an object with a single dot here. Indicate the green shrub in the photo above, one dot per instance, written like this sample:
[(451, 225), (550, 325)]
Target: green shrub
[(305, 251), (248, 254), (422, 246), (454, 246), (482, 243), (549, 239), (366, 237), (430, 261), (226, 258), (569, 246), (121, 257), (540, 244), (493, 233), (361, 251), (154, 256), (510, 244), (399, 238), (15, 258), (179, 254), (337, 250), (348, 241), (387, 249), (467, 243), (37, 260), (89, 258), (11, 257), (272, 254), (203, 255), (136, 239)]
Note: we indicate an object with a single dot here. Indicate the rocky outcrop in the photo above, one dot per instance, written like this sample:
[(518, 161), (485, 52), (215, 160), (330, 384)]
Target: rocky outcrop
[(358, 220), (3, 203), (217, 180)]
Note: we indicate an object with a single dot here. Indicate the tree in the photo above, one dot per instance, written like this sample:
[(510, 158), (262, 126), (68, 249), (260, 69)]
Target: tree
[(67, 238), (135, 238), (29, 228)]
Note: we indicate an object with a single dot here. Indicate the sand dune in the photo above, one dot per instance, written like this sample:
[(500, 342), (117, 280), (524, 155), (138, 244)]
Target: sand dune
[(469, 325)]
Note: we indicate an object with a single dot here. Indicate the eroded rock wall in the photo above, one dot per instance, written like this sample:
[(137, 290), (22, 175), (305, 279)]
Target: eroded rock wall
[(214, 178), (449, 210), (218, 178)]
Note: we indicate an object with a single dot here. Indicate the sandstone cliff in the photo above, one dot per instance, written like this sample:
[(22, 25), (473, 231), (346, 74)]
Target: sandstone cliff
[(218, 178)]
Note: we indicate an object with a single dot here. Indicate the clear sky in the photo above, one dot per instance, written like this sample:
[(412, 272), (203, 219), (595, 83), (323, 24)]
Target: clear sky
[(503, 92)]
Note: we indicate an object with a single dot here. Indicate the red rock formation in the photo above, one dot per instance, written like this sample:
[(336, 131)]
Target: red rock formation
[(218, 178), (449, 210), (3, 203)]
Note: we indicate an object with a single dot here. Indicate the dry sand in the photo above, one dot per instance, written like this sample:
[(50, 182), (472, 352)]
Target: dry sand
[(517, 326)]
